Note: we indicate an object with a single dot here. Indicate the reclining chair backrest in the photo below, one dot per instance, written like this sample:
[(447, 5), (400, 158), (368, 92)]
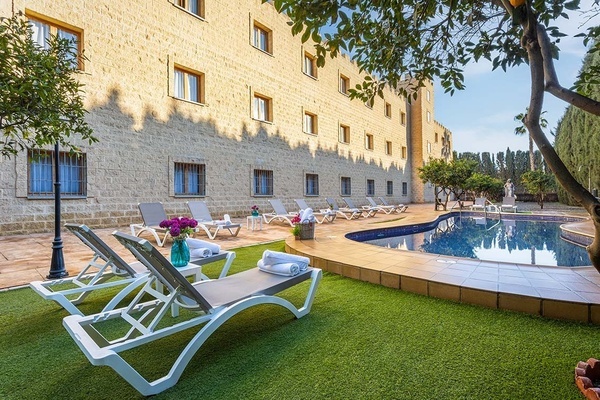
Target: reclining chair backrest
[(152, 213), (89, 238), (278, 207), (160, 267), (332, 203), (199, 211)]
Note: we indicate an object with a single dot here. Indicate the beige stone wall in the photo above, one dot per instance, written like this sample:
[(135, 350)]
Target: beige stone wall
[(132, 48)]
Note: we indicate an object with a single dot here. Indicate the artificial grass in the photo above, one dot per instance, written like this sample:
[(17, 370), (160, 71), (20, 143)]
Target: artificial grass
[(360, 341)]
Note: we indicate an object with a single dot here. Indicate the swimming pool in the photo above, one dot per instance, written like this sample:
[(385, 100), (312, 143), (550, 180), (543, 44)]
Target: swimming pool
[(523, 241)]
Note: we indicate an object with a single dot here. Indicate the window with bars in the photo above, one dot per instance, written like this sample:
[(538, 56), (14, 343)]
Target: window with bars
[(404, 188), (312, 184), (189, 179), (346, 186), (310, 123), (42, 30), (263, 182), (188, 85), (195, 7), (262, 38), (344, 134), (40, 172), (262, 108), (310, 65), (370, 187), (389, 188)]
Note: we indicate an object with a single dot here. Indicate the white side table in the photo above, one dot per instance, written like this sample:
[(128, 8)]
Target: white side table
[(254, 222)]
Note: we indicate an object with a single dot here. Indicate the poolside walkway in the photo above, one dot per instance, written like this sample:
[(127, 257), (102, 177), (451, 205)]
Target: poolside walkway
[(571, 293)]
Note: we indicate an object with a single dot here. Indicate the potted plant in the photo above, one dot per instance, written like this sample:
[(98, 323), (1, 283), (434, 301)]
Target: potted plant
[(254, 210)]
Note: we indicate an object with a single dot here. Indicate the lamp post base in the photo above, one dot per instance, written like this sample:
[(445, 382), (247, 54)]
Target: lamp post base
[(57, 265)]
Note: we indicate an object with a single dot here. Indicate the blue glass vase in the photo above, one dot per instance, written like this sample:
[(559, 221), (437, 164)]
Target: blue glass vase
[(180, 253), (255, 213)]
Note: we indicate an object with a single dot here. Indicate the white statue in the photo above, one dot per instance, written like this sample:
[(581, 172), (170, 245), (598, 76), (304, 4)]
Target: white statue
[(509, 189)]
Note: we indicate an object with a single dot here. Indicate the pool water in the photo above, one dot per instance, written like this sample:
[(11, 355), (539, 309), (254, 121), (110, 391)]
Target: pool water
[(506, 240)]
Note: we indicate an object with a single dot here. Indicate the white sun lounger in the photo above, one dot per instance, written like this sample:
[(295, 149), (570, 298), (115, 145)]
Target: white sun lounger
[(199, 211), (347, 213), (321, 216), (279, 213), (216, 301)]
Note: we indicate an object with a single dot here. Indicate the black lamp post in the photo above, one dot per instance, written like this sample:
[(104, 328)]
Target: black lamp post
[(57, 265)]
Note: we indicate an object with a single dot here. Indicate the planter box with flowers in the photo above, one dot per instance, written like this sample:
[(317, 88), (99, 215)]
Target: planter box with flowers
[(180, 228), (303, 230)]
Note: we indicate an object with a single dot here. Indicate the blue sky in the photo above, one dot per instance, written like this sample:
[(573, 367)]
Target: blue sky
[(481, 117)]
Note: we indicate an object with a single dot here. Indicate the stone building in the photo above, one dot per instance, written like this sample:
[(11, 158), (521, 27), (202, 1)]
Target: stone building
[(212, 100)]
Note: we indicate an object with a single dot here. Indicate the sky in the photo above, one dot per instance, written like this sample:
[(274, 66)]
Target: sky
[(481, 117)]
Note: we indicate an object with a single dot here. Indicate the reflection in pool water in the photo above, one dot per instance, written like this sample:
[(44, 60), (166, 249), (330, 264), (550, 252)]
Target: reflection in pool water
[(506, 240)]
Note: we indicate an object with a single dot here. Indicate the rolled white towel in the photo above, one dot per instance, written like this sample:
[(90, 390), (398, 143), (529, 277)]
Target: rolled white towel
[(284, 269), (200, 252), (307, 216), (227, 219), (271, 257), (199, 244)]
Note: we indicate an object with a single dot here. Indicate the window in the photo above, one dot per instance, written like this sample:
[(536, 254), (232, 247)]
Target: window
[(389, 188), (188, 85), (310, 123), (73, 173), (263, 182), (404, 152), (344, 84), (195, 7), (310, 65), (428, 116), (404, 189), (190, 179), (436, 137), (262, 38), (388, 148), (346, 186), (403, 118), (388, 110), (42, 30), (428, 95), (428, 147), (312, 184), (370, 187), (344, 134), (263, 108), (369, 141)]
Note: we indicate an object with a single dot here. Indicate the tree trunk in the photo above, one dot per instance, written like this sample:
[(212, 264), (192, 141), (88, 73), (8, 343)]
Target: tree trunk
[(531, 155), (537, 44)]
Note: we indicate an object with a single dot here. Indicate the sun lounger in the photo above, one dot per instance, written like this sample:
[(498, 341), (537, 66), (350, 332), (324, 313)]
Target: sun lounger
[(379, 207), (347, 213), (321, 216), (400, 208), (105, 270), (279, 213), (199, 211), (152, 215), (216, 301), (367, 211)]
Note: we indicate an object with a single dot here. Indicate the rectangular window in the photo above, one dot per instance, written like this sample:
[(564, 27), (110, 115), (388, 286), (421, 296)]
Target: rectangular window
[(188, 85), (428, 147), (436, 137), (344, 84), (428, 95), (310, 123), (369, 141), (310, 65), (262, 38), (73, 173), (344, 134), (190, 179), (312, 185), (370, 187), (346, 186), (404, 152), (388, 110), (262, 108), (428, 116), (388, 148), (389, 188), (404, 189), (263, 182), (42, 30), (403, 118), (195, 7)]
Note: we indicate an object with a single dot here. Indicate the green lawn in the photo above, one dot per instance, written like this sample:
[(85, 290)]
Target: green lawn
[(360, 341)]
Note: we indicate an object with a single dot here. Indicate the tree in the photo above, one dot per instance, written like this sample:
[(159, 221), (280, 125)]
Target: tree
[(522, 130), (436, 39), (484, 185), (447, 177), (40, 100), (537, 182)]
